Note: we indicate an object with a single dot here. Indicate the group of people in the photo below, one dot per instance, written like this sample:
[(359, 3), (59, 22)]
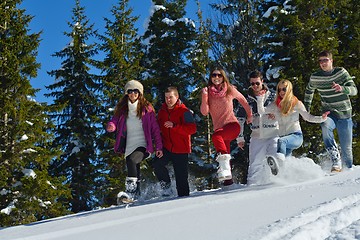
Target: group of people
[(272, 117), (138, 129), (276, 129)]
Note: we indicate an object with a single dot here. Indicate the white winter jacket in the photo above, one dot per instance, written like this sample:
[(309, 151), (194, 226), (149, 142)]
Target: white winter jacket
[(290, 123), (262, 127)]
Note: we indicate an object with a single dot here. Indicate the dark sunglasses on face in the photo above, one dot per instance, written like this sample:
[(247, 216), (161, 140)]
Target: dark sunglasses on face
[(130, 91), (282, 89), (219, 75), (255, 83), (324, 60)]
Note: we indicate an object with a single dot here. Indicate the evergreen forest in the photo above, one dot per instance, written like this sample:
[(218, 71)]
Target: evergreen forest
[(57, 159)]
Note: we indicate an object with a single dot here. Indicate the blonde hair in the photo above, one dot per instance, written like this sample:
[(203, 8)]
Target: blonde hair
[(289, 101)]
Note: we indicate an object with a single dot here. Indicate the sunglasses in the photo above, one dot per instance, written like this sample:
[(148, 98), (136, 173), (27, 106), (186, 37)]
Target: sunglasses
[(135, 91), (324, 60), (255, 83), (219, 75), (282, 89)]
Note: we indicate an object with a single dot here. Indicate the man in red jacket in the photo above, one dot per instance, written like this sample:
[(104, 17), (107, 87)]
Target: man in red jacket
[(176, 125)]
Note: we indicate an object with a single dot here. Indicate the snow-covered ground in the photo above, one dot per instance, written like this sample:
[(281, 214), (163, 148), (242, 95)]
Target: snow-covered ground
[(303, 202)]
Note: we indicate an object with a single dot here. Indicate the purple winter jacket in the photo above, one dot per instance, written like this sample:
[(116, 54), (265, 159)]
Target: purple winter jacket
[(150, 127)]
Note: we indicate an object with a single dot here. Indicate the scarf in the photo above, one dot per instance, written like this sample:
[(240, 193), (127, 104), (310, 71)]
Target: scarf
[(132, 108), (278, 100), (218, 92)]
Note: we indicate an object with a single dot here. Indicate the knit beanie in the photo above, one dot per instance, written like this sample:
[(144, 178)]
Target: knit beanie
[(134, 84)]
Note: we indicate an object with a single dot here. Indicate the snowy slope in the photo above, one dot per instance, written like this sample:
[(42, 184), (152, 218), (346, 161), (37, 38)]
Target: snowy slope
[(302, 203)]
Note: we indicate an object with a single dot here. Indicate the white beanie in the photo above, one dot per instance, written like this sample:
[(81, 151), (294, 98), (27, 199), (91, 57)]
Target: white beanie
[(134, 84)]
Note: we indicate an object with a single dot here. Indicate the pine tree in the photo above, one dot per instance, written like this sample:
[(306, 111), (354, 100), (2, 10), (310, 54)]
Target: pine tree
[(121, 64), (76, 111), (238, 32), (169, 37), (299, 30), (28, 193), (203, 150)]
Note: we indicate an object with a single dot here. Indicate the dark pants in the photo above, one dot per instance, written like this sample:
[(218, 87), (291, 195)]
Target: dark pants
[(133, 161), (180, 163)]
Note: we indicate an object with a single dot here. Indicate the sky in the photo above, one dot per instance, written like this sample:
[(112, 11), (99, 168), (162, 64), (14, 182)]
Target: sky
[(51, 17), (302, 202)]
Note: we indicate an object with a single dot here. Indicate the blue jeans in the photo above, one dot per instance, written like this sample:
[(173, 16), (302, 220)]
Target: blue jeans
[(344, 129), (286, 144)]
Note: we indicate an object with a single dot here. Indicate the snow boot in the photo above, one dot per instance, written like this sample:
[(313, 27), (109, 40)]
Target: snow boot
[(280, 157), (273, 164), (335, 158), (224, 171), (131, 191), (228, 182), (166, 190), (335, 169)]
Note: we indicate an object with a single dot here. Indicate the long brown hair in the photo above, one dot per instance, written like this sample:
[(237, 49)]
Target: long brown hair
[(225, 77), (123, 108), (289, 101)]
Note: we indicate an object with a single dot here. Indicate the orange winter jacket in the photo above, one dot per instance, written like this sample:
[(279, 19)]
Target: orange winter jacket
[(178, 138)]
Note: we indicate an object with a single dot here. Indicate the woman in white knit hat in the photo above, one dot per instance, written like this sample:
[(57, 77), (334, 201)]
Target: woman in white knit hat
[(135, 124)]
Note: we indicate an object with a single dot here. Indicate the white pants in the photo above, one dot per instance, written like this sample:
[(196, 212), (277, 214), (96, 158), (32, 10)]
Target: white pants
[(258, 172)]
